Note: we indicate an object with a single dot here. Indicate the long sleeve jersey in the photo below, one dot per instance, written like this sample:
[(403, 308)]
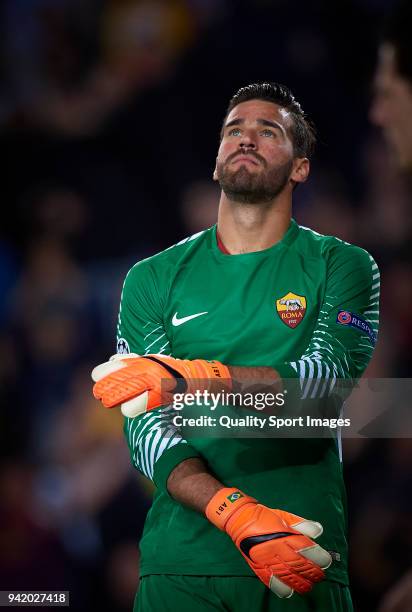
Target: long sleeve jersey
[(307, 306)]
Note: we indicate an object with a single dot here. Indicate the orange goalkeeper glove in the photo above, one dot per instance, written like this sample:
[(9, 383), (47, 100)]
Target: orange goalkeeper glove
[(275, 543), (135, 382)]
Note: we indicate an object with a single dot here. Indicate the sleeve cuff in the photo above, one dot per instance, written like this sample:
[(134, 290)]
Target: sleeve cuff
[(169, 460)]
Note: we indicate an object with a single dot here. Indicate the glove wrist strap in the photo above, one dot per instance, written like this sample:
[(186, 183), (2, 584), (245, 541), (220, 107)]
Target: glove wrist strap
[(224, 504), (213, 370)]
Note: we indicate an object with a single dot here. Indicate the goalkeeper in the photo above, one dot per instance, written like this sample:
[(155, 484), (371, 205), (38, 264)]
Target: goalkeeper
[(244, 524)]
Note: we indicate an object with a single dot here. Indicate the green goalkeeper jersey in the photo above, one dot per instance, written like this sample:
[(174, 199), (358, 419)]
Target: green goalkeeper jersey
[(307, 306)]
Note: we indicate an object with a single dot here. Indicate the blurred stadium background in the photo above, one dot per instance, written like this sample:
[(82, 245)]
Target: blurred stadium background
[(109, 115)]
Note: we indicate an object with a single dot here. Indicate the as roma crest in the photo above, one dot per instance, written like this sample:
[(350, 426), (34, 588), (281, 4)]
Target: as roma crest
[(291, 309)]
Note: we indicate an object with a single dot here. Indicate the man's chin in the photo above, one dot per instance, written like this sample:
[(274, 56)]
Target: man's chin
[(247, 197)]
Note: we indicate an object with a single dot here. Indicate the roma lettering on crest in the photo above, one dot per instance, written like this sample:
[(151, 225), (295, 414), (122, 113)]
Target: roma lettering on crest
[(291, 309)]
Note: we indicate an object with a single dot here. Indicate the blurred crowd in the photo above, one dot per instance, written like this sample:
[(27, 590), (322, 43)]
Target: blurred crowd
[(110, 112)]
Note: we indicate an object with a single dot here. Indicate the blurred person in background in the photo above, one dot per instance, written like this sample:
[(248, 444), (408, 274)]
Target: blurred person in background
[(391, 110), (391, 107)]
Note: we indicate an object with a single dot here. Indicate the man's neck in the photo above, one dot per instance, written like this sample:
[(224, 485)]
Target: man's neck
[(245, 228)]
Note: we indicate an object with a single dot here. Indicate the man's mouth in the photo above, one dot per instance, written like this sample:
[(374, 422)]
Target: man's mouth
[(245, 158)]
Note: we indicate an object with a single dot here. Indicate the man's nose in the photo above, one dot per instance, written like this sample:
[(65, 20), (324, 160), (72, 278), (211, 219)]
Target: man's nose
[(248, 141)]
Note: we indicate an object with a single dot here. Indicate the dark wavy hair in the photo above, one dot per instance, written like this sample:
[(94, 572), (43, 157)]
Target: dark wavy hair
[(302, 131)]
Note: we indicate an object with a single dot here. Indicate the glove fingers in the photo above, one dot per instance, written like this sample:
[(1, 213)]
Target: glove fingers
[(286, 578), (279, 588), (108, 367), (126, 377), (318, 555), (135, 406), (104, 369), (318, 558), (295, 577), (282, 558), (311, 529), (120, 386), (279, 577)]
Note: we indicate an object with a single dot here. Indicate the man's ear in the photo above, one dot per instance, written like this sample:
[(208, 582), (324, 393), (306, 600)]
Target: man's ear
[(301, 169)]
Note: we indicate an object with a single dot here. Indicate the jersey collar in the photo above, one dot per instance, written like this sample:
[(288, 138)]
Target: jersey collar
[(220, 249)]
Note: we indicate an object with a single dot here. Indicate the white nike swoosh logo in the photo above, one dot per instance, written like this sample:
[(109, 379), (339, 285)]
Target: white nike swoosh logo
[(176, 321)]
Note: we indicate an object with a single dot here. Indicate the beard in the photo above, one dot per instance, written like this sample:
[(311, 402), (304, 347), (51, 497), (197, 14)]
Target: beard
[(246, 187)]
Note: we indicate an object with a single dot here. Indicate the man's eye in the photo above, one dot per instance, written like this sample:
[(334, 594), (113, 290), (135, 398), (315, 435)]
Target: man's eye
[(267, 133), (234, 132)]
